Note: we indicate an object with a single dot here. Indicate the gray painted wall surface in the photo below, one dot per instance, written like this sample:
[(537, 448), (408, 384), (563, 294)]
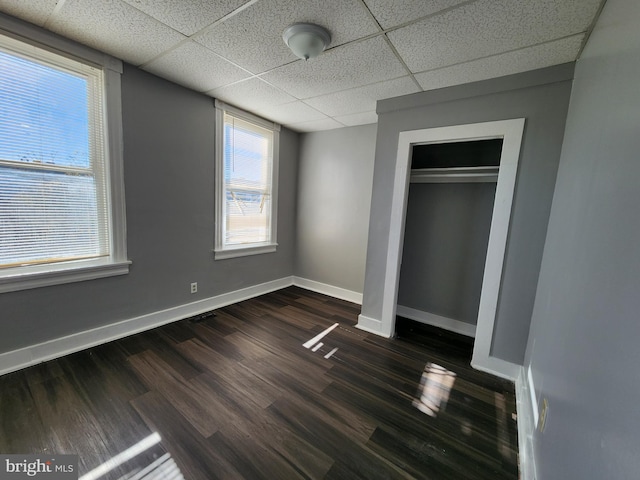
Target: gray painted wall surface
[(169, 167), (585, 327), (445, 246), (334, 196), (545, 107)]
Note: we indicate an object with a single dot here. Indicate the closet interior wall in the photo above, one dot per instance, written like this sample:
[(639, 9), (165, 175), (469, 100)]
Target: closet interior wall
[(448, 220)]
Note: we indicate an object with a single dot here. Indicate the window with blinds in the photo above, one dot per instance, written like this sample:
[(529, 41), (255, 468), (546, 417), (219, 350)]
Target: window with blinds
[(54, 189), (246, 193)]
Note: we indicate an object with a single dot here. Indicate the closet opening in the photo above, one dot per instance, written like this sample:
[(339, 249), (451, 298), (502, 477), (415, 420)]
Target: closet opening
[(449, 210)]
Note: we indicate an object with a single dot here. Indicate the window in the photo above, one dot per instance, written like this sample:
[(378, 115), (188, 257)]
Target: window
[(61, 205), (246, 186)]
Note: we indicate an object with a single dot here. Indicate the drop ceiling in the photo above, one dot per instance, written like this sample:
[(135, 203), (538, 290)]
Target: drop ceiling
[(233, 49)]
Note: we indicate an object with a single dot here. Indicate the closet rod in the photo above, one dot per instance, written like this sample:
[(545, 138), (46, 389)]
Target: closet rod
[(455, 175)]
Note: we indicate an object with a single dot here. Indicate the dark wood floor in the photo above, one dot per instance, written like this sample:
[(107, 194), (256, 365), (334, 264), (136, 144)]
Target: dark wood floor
[(239, 396)]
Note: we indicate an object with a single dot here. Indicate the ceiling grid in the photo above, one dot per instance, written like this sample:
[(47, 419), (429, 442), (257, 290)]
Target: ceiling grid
[(233, 49)]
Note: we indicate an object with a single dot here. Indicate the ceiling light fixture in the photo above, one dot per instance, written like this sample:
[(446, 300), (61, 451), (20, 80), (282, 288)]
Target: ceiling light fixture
[(306, 40)]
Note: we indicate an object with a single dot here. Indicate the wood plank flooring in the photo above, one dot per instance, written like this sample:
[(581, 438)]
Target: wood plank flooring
[(238, 396)]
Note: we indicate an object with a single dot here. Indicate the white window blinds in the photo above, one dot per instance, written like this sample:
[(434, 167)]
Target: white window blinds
[(247, 183), (53, 188)]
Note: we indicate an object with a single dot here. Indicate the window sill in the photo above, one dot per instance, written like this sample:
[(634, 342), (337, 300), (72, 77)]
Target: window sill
[(24, 278), (244, 251)]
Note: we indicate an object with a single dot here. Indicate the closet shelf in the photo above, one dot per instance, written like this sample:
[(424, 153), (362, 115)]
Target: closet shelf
[(455, 175)]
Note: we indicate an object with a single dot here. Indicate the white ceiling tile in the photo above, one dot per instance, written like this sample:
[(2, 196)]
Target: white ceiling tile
[(195, 67), (390, 13), (290, 113), (540, 56), (362, 99), (252, 94), (253, 37), (316, 125), (114, 27), (33, 11), (349, 66), (488, 27), (364, 118), (187, 16)]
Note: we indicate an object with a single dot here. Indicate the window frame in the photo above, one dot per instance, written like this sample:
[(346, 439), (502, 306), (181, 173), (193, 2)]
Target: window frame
[(35, 276), (221, 251)]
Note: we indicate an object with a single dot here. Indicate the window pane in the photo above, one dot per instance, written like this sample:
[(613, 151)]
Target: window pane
[(247, 183), (247, 218), (47, 216), (43, 114)]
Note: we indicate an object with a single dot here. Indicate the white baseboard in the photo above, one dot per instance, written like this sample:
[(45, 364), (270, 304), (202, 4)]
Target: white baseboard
[(494, 366), (34, 354), (437, 321), (532, 396), (497, 367), (372, 325), (326, 289), (526, 427)]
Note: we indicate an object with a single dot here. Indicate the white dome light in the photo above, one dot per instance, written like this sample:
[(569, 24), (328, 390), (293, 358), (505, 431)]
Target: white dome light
[(306, 40)]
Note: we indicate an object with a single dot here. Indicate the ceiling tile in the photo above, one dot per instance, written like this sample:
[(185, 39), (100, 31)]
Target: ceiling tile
[(253, 37), (390, 13), (187, 16), (33, 11), (364, 118), (349, 66), (252, 94), (362, 99), (290, 113), (114, 27), (195, 67), (316, 125), (540, 56), (488, 27)]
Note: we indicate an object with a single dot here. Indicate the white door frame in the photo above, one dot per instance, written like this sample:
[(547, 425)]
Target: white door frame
[(511, 132)]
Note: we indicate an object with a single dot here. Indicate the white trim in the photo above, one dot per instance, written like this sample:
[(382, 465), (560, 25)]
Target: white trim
[(526, 428), (275, 176), (497, 367), (511, 132), (445, 323), (114, 146), (218, 178), (34, 354), (326, 289), (532, 394), (63, 272), (374, 326), (243, 252)]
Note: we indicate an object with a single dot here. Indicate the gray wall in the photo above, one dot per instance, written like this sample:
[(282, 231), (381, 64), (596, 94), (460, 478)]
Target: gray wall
[(169, 167), (334, 197), (445, 247), (585, 328), (541, 97)]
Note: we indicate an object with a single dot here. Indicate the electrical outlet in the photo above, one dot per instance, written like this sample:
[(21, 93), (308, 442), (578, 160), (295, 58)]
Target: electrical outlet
[(194, 287), (544, 411)]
